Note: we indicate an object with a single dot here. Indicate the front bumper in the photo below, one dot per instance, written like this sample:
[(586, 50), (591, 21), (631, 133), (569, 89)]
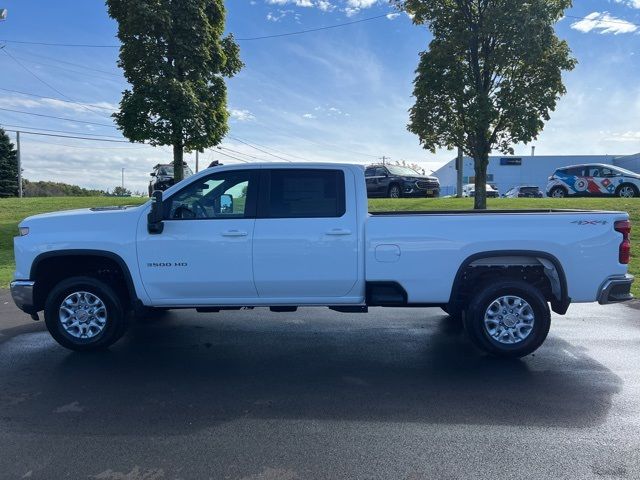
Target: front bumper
[(412, 189), (22, 294), (616, 289)]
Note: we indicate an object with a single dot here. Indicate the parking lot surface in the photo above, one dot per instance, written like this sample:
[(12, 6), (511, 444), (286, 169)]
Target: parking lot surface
[(394, 394)]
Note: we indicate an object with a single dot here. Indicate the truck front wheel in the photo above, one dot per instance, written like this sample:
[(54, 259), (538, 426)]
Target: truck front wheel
[(84, 313), (508, 318)]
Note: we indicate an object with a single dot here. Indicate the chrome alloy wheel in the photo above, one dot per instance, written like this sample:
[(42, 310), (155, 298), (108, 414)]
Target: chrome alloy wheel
[(509, 319), (83, 315), (627, 191)]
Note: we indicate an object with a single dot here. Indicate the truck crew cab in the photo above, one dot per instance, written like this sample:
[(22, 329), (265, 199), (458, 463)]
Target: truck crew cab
[(290, 235)]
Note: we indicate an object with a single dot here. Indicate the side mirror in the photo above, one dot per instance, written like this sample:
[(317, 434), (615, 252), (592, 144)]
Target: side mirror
[(226, 204), (153, 174), (154, 218)]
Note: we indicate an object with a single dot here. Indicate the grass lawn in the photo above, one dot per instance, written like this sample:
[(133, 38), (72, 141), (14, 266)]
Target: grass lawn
[(13, 210)]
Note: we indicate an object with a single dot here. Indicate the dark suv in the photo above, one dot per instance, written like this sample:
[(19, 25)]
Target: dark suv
[(163, 176), (395, 181)]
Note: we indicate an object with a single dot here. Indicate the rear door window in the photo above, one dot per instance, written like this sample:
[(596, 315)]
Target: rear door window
[(302, 193)]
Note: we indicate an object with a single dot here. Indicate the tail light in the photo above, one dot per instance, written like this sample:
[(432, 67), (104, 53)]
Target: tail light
[(624, 253)]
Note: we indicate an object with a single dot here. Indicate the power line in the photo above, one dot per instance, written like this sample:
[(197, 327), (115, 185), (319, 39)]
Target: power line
[(310, 30), (47, 44), (42, 81), (321, 144), (67, 69), (67, 132), (57, 118), (231, 156), (92, 147), (245, 39), (57, 99), (62, 136), (258, 149), (264, 37), (220, 147), (70, 63), (279, 151)]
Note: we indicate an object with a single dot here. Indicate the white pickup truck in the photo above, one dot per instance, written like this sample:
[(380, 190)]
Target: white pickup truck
[(290, 235)]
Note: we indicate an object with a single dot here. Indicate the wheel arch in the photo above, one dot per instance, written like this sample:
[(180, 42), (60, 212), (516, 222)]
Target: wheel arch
[(500, 259), (48, 259)]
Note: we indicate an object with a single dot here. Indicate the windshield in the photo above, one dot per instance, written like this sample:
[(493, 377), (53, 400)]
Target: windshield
[(168, 171), (398, 170), (624, 171)]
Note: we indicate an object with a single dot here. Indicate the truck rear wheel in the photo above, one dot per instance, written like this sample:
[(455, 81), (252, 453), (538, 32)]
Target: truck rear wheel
[(509, 318), (84, 313)]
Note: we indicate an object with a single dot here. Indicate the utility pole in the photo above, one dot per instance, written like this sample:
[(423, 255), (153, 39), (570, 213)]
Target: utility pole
[(197, 161), (122, 178), (384, 159), (459, 172), (19, 165)]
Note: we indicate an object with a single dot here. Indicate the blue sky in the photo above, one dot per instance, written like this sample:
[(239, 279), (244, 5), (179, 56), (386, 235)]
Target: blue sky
[(335, 95)]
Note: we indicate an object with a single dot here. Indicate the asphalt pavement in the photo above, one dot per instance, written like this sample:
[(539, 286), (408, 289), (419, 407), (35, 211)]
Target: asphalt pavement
[(393, 394)]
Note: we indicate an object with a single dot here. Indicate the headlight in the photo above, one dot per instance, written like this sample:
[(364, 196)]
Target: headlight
[(23, 231)]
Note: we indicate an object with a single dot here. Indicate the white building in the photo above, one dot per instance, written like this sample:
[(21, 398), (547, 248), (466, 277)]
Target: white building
[(505, 172)]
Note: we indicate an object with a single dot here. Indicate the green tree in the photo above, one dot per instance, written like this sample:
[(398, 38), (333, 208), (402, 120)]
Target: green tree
[(175, 58), (490, 78), (8, 167), (121, 192)]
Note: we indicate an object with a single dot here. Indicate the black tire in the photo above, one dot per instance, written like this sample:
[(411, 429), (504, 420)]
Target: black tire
[(558, 192), (627, 187), (483, 300), (116, 320), (394, 191)]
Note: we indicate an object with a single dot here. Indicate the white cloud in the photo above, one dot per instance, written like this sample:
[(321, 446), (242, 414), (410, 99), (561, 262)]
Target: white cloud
[(297, 3), (308, 115), (241, 115), (391, 16), (276, 17), (325, 6), (350, 7), (629, 3), (604, 23), (628, 136)]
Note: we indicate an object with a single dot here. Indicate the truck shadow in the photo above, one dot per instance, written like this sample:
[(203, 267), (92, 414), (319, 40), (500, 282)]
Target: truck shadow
[(188, 372)]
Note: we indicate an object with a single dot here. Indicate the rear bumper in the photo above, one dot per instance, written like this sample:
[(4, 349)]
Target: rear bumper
[(616, 289), (22, 294)]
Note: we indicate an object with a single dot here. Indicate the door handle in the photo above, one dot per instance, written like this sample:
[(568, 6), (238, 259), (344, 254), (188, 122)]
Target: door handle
[(339, 231), (234, 233)]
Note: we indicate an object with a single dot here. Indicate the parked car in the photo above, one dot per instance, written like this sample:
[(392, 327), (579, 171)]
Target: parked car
[(469, 190), (300, 234), (524, 191), (395, 181), (594, 179), (163, 176)]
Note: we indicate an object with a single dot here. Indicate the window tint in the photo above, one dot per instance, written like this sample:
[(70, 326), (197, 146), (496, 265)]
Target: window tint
[(381, 172), (303, 193), (370, 172), (222, 195), (575, 171)]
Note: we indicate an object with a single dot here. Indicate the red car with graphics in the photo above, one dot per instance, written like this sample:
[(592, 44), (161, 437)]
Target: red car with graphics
[(595, 179)]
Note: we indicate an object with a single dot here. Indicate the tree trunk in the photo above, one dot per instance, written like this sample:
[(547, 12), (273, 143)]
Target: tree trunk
[(178, 173), (481, 161)]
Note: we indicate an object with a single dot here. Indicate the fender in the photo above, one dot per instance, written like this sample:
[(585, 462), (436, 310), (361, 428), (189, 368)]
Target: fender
[(559, 305), (90, 253)]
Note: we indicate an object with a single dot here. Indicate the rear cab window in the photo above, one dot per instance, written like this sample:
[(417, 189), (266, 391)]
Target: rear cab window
[(302, 193)]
